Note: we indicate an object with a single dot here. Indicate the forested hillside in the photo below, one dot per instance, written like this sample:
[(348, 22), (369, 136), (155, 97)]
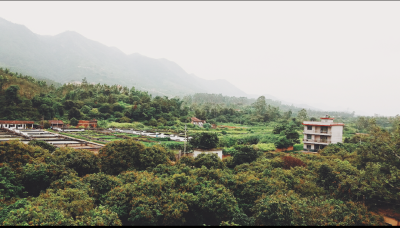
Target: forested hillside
[(25, 98), (137, 181)]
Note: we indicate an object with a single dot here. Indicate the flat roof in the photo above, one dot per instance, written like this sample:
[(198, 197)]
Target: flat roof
[(324, 124)]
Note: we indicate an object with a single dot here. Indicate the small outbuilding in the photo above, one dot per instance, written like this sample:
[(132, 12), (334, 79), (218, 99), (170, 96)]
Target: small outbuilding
[(56, 123), (198, 122), (16, 124), (87, 123)]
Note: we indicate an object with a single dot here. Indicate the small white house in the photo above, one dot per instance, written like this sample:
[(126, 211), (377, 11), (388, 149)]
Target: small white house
[(318, 134), (198, 122)]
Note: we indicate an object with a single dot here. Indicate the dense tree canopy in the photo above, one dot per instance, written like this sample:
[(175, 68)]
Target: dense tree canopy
[(132, 183)]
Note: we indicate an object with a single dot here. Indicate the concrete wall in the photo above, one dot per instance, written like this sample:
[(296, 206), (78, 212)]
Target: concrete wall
[(305, 146), (217, 152), (337, 134)]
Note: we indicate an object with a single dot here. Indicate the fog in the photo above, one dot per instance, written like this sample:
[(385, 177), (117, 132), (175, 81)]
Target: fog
[(340, 56)]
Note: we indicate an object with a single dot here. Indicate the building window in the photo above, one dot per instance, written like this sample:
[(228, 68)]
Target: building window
[(308, 147), (309, 136), (309, 128)]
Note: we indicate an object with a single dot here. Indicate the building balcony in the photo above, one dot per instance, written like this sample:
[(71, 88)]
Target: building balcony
[(319, 132), (317, 141)]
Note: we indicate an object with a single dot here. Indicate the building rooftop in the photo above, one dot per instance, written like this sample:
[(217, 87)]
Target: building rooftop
[(194, 119), (16, 122), (316, 123), (88, 121), (56, 122)]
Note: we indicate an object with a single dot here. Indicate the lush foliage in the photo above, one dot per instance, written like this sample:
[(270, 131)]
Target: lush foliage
[(205, 140), (131, 183)]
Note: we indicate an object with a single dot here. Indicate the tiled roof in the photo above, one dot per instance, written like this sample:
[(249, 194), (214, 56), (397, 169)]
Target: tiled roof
[(15, 122), (56, 122), (88, 121), (194, 119)]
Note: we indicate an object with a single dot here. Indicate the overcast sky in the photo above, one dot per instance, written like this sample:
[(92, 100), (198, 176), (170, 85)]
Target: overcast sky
[(330, 55)]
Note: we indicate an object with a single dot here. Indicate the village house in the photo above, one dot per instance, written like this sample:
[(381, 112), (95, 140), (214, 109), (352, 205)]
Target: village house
[(16, 124), (318, 134), (198, 122), (56, 123), (87, 123)]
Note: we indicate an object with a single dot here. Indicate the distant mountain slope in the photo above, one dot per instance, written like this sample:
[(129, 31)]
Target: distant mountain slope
[(70, 57)]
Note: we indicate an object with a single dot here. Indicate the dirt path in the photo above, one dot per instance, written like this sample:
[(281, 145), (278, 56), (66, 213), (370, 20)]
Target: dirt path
[(389, 220)]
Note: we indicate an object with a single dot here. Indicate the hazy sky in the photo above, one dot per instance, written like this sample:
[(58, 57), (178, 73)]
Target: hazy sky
[(331, 55)]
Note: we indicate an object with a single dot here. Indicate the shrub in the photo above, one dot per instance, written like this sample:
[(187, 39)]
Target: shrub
[(209, 160), (278, 128), (101, 183), (270, 138), (9, 185), (21, 154), (120, 155), (46, 124), (100, 216), (205, 140), (70, 181), (152, 156), (74, 121), (37, 177), (327, 177), (227, 141), (82, 161), (245, 154), (124, 120), (277, 162), (66, 207), (138, 125), (289, 162), (266, 147), (189, 161), (339, 148), (298, 147), (252, 139), (229, 162), (15, 206), (229, 151), (42, 144), (283, 142)]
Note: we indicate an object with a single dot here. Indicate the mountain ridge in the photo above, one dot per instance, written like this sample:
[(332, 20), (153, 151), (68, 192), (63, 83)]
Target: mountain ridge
[(69, 56)]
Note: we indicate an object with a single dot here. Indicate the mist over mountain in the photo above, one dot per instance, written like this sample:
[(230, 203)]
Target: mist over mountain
[(70, 56)]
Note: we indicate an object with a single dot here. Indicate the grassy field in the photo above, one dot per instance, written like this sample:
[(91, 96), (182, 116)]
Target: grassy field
[(231, 130)]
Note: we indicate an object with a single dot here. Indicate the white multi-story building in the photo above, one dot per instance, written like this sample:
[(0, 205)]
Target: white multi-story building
[(317, 135)]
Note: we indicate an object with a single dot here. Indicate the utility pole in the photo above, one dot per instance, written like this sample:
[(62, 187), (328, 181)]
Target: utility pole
[(184, 150)]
